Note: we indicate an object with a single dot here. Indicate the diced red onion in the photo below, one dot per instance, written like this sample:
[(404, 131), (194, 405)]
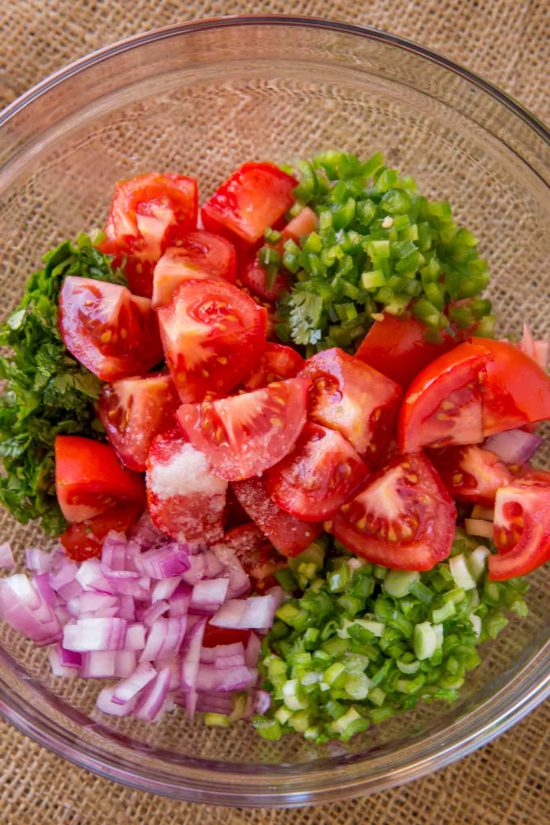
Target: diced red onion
[(196, 571), (154, 612), (261, 701), (253, 613), (135, 636), (37, 560), (209, 655), (208, 595), (164, 588), (6, 557), (151, 701), (92, 602), (213, 566), (71, 590), (174, 665), (164, 562), (164, 638), (513, 446), (64, 574), (113, 552), (252, 650), (211, 678), (25, 609), (57, 666), (106, 704), (69, 658), (90, 576), (215, 703), (129, 688), (126, 607), (98, 664), (42, 584), (146, 534), (180, 599), (95, 634), (190, 665)]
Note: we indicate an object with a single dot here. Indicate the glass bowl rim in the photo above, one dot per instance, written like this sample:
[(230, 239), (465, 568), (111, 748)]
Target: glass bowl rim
[(491, 718)]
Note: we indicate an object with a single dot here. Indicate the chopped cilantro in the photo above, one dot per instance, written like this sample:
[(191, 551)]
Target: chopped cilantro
[(46, 391)]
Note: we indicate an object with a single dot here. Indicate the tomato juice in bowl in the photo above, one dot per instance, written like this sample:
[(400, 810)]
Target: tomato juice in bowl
[(359, 766)]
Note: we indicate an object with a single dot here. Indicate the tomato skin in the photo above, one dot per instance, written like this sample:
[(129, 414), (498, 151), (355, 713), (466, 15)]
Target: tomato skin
[(277, 363), (109, 330), (253, 198), (349, 396), (521, 527), (214, 636), (443, 404), (89, 478), (289, 535), (197, 254), (256, 554), (253, 277), (213, 335), (133, 411), (471, 473), (146, 214), (84, 540), (245, 434), (318, 476), (185, 499), (517, 390), (397, 347), (403, 518)]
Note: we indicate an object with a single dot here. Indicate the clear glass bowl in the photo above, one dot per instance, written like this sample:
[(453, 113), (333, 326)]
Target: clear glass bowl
[(200, 98)]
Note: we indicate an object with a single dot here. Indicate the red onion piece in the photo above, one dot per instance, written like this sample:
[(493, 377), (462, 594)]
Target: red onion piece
[(164, 638), (252, 651), (57, 666), (164, 562), (513, 446), (26, 610), (208, 595), (36, 560), (129, 688), (95, 634), (256, 612), (106, 704), (135, 636), (151, 701)]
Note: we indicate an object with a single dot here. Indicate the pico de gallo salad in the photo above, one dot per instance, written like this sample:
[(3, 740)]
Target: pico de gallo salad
[(287, 461)]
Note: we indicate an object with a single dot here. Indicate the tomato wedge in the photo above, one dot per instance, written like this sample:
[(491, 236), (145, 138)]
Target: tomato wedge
[(109, 330), (277, 363), (289, 535), (471, 474), (90, 479), (399, 348), (133, 411), (403, 518), (300, 226), (318, 476), (253, 198), (243, 435), (253, 276), (475, 390), (84, 540), (349, 396), (521, 527), (185, 499), (213, 335), (517, 390), (256, 554), (443, 406), (146, 215), (197, 254)]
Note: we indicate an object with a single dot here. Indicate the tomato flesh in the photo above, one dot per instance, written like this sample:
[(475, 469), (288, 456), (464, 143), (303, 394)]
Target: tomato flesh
[(185, 499), (349, 396), (196, 255), (289, 535), (471, 473), (256, 554), (147, 214), (213, 336), (133, 411), (89, 478), (521, 527), (277, 363), (253, 276), (318, 476), (398, 348), (245, 434), (84, 540), (214, 636), (109, 330), (403, 517), (300, 226), (248, 202)]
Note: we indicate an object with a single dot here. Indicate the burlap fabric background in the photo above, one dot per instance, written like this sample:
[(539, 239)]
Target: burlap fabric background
[(506, 782)]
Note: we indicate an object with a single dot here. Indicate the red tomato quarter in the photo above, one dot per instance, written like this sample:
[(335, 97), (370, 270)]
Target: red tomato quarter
[(133, 411), (253, 198), (398, 348), (213, 336), (186, 500), (289, 535), (244, 435), (403, 518), (521, 527), (84, 540), (255, 553), (349, 396), (318, 476), (277, 363), (90, 479), (197, 254), (471, 474), (109, 330), (147, 213)]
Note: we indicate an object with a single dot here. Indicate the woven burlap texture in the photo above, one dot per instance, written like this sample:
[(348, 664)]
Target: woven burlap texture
[(507, 781)]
